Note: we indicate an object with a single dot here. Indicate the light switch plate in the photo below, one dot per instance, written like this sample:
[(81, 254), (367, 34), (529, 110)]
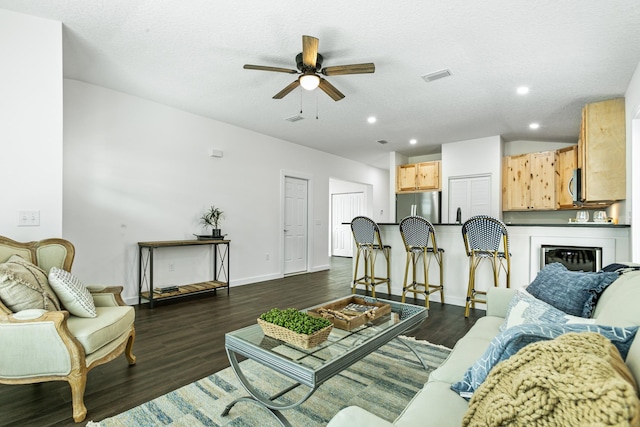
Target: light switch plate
[(28, 218)]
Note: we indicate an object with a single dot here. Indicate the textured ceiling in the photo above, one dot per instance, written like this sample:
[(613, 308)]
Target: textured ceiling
[(189, 54)]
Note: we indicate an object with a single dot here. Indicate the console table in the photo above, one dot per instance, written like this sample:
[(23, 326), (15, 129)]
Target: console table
[(145, 270)]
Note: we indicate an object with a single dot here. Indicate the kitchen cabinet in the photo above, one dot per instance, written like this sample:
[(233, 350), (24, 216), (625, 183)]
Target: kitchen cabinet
[(414, 177), (602, 151), (528, 182), (566, 163), (407, 178)]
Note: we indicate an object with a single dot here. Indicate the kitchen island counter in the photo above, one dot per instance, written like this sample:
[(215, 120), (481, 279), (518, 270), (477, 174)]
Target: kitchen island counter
[(525, 242), (564, 224)]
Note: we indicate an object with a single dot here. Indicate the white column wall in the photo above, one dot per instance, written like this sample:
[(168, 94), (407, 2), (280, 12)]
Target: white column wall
[(473, 157), (31, 125), (632, 110)]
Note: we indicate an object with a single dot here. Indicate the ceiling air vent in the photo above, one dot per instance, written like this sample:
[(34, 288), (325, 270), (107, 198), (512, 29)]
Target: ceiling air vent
[(295, 118), (383, 141), (436, 75)]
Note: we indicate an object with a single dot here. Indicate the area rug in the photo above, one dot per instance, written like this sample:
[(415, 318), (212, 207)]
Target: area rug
[(383, 383)]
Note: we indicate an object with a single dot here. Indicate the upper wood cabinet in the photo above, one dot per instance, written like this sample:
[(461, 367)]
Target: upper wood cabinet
[(516, 182), (528, 182), (602, 151), (566, 163), (418, 177), (407, 178)]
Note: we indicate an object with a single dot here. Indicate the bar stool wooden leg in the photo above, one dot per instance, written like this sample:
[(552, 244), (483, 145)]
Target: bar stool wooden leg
[(441, 266), (387, 254), (406, 275), (425, 268), (368, 266), (372, 281), (355, 270), (496, 270), (471, 286)]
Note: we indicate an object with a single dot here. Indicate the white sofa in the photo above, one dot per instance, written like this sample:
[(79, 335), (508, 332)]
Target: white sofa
[(437, 405)]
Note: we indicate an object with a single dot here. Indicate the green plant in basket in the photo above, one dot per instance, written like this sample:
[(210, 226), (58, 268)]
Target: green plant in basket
[(297, 321)]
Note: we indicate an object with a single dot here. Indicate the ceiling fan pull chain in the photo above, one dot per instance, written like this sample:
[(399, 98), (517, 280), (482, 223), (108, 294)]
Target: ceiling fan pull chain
[(316, 105), (300, 102)]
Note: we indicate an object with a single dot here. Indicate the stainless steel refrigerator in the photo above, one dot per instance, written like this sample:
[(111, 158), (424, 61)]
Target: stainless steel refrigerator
[(426, 205)]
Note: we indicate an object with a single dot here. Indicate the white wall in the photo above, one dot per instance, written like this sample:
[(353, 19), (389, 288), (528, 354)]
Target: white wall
[(473, 157), (31, 125), (139, 171), (632, 109), (425, 158), (395, 160), (514, 148)]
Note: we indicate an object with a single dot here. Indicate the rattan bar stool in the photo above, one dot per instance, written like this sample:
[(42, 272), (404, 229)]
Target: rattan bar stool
[(419, 239), (366, 234), (485, 238)]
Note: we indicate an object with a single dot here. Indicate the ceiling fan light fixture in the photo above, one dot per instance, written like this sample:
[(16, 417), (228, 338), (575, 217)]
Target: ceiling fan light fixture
[(309, 81)]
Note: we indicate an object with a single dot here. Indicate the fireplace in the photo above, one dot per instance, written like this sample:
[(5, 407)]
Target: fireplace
[(575, 258), (536, 256)]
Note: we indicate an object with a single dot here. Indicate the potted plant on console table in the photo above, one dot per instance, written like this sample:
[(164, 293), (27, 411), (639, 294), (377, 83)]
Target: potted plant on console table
[(212, 219)]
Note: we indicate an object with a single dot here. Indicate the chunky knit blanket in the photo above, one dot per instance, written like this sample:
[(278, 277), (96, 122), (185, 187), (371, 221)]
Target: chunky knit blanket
[(577, 379)]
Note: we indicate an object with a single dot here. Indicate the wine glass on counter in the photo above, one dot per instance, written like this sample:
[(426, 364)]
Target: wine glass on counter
[(582, 216), (600, 216)]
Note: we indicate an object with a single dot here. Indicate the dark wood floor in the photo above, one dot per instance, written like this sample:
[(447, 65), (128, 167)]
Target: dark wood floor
[(180, 342)]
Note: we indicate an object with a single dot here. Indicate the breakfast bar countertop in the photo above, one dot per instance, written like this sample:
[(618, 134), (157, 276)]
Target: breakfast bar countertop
[(525, 241), (565, 224)]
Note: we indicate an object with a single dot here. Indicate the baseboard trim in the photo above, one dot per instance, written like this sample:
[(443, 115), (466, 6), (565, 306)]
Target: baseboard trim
[(133, 300)]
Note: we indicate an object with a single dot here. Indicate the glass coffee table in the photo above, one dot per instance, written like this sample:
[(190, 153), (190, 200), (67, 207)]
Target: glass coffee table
[(314, 366)]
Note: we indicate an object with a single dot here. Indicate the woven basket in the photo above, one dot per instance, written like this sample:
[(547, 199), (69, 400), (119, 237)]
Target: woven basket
[(299, 340)]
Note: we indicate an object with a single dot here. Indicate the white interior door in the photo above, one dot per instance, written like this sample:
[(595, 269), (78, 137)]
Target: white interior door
[(344, 207), (471, 194), (295, 225)]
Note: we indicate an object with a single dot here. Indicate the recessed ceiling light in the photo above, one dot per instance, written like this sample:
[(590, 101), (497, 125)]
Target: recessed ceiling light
[(413, 141), (523, 90), (534, 125), (371, 119)]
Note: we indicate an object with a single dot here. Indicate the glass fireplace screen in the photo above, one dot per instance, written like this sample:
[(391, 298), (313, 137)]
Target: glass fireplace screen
[(575, 258)]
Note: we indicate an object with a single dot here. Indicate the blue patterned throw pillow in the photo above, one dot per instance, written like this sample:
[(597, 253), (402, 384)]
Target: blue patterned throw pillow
[(509, 342), (524, 308), (574, 292)]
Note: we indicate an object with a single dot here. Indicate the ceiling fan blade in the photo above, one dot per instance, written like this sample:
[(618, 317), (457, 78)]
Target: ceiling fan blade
[(349, 69), (309, 51), (284, 92), (265, 68), (330, 90)]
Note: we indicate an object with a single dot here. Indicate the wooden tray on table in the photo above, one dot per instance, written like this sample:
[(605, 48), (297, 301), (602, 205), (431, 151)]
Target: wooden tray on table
[(351, 312)]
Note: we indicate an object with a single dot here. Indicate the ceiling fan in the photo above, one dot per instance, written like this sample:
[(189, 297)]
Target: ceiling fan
[(309, 64)]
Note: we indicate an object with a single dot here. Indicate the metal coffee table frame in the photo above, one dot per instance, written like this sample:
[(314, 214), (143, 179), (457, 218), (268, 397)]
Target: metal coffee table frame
[(314, 366)]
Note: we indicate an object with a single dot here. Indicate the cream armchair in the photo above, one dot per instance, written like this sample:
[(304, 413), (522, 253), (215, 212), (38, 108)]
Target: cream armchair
[(38, 345)]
